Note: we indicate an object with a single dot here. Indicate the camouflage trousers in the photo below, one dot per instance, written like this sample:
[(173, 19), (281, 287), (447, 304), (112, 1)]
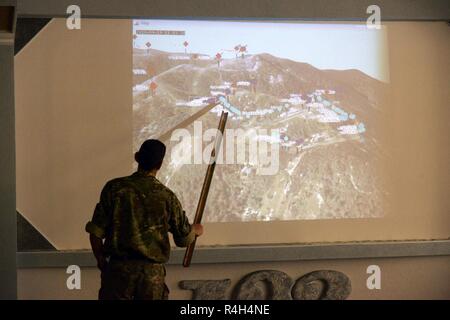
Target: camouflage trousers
[(133, 280)]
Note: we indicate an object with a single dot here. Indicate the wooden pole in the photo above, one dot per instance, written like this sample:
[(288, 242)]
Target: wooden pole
[(166, 135), (205, 189)]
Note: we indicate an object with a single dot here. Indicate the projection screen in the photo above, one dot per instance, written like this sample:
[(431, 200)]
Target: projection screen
[(303, 102), (348, 125)]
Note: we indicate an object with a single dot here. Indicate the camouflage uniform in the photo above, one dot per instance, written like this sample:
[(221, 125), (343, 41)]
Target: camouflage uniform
[(134, 216)]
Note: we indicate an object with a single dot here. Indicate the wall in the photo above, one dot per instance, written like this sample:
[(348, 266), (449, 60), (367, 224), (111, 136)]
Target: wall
[(305, 9), (73, 131), (401, 278), (8, 235)]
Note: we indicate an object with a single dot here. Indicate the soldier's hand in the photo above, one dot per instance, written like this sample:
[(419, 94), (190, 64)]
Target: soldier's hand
[(198, 229)]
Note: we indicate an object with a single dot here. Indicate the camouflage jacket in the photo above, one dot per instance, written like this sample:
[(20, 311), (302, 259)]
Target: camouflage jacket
[(134, 216)]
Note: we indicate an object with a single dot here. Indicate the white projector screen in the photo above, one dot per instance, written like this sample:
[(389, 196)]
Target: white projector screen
[(74, 130), (301, 140)]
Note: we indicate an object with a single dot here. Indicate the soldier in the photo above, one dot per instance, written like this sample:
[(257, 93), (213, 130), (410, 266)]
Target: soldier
[(133, 217)]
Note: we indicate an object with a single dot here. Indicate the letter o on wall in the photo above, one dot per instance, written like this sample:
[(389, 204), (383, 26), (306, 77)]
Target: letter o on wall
[(322, 285), (264, 285)]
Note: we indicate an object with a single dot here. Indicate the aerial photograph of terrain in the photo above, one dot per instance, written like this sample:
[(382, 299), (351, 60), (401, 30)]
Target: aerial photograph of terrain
[(308, 82)]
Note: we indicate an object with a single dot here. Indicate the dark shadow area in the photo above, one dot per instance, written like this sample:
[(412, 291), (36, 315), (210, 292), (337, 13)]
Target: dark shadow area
[(30, 239)]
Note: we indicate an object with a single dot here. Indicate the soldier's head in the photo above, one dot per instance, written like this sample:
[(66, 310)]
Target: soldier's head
[(151, 155)]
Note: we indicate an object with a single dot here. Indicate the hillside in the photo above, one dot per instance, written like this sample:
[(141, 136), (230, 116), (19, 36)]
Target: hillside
[(327, 120)]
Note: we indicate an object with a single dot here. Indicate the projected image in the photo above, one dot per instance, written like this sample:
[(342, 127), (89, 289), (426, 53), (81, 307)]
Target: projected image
[(309, 93)]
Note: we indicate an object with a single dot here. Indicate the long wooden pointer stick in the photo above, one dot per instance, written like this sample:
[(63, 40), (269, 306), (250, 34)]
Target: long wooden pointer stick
[(183, 124), (205, 189)]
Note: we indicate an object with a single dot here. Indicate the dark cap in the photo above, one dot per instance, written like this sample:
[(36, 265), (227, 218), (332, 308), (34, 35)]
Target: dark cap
[(151, 154)]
